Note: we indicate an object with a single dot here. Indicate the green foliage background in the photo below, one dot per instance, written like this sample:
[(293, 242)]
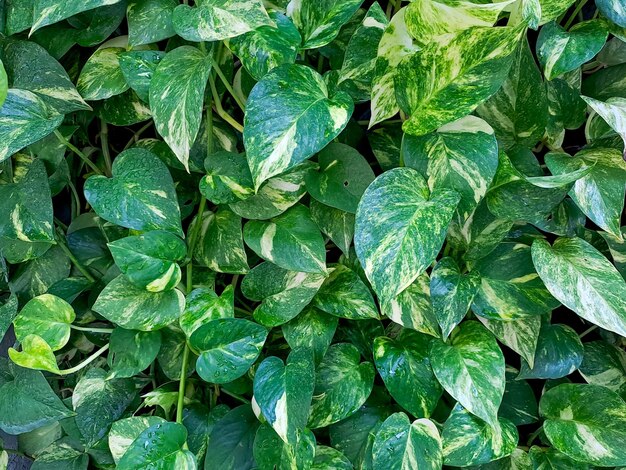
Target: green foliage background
[(313, 234)]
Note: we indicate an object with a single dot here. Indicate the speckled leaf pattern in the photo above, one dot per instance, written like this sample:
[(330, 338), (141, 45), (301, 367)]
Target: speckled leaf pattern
[(338, 225), (613, 111), (520, 335), (467, 440), (604, 364), (559, 353), (551, 459), (47, 316), (300, 121), (404, 366), (443, 83), (400, 227), (140, 195), (283, 392), (267, 47), (451, 294), (613, 10), (404, 445), (176, 98), (470, 367), (327, 457), (138, 68), (345, 295), (461, 155), (510, 288), (552, 9), (132, 351), (342, 384), (600, 193), (518, 111), (432, 20), (581, 278), (586, 423), (560, 51), (319, 21), (270, 452), (214, 20), (203, 305), (149, 261), (102, 77), (283, 294), (24, 119), (48, 12), (312, 329), (518, 460), (228, 178), (150, 21), (227, 347), (291, 241), (137, 309), (125, 431), (220, 243), (8, 312)]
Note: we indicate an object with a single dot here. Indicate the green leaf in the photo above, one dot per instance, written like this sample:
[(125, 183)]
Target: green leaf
[(312, 329), (552, 9), (451, 293), (462, 155), (47, 316), (518, 111), (138, 68), (99, 402), (518, 460), (471, 369), (173, 344), (338, 225), (125, 431), (8, 312), (48, 12), (612, 111), (510, 288), (400, 227), (149, 260), (404, 366), (150, 21), (4, 84), (35, 354), (214, 20), (30, 67), (442, 83), (231, 447), (228, 178), (162, 445), (319, 22), (290, 115), (342, 384), (283, 294), (140, 194), (267, 47), (613, 10), (342, 178), (130, 307), (61, 455), (468, 440), (283, 392), (327, 457), (604, 364), (559, 353), (519, 404), (549, 458), (560, 51), (617, 248), (270, 452), (24, 119), (520, 335), (345, 295), (132, 351), (204, 305), (583, 280), (227, 347), (400, 444), (176, 97), (586, 423), (599, 194), (290, 240), (102, 77)]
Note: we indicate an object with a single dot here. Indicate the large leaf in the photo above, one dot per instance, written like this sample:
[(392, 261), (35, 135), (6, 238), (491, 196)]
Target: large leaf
[(132, 351), (400, 227), (102, 77), (52, 11), (176, 98), (471, 369), (140, 195), (290, 115), (586, 423), (231, 447), (150, 21), (581, 278)]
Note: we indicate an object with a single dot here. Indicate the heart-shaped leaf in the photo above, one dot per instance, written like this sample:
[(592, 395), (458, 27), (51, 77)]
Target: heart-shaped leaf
[(102, 77), (203, 305), (47, 316), (132, 351), (35, 354), (125, 431)]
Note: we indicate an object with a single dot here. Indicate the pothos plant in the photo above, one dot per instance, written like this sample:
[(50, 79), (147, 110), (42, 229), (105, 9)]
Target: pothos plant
[(313, 234)]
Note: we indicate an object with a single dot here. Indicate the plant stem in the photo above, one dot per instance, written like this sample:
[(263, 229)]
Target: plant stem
[(92, 330), (572, 17), (74, 149), (534, 435), (209, 128), (104, 142), (136, 135), (234, 395), (87, 361), (181, 385), (227, 84), (220, 111), (60, 239), (193, 237), (587, 331)]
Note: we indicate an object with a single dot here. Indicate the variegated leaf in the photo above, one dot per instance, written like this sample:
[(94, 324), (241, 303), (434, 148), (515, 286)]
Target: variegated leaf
[(102, 77), (203, 305), (290, 115), (36, 354), (400, 227), (312, 329), (176, 98), (48, 12), (614, 10), (404, 366), (520, 335), (443, 83), (150, 21), (617, 248), (328, 457), (470, 367), (228, 178), (581, 278), (131, 352), (214, 20), (613, 111), (125, 431), (48, 317), (604, 364), (402, 445), (138, 68), (548, 458), (552, 9), (586, 423), (338, 225)]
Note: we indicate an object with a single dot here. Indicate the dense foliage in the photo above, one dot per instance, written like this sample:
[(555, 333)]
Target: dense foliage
[(316, 234)]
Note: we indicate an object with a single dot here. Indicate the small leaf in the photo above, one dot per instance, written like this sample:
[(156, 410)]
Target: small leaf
[(138, 68), (35, 354), (312, 329), (47, 316), (150, 21), (203, 305), (228, 178), (102, 77), (613, 111), (125, 431), (132, 351), (520, 335)]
